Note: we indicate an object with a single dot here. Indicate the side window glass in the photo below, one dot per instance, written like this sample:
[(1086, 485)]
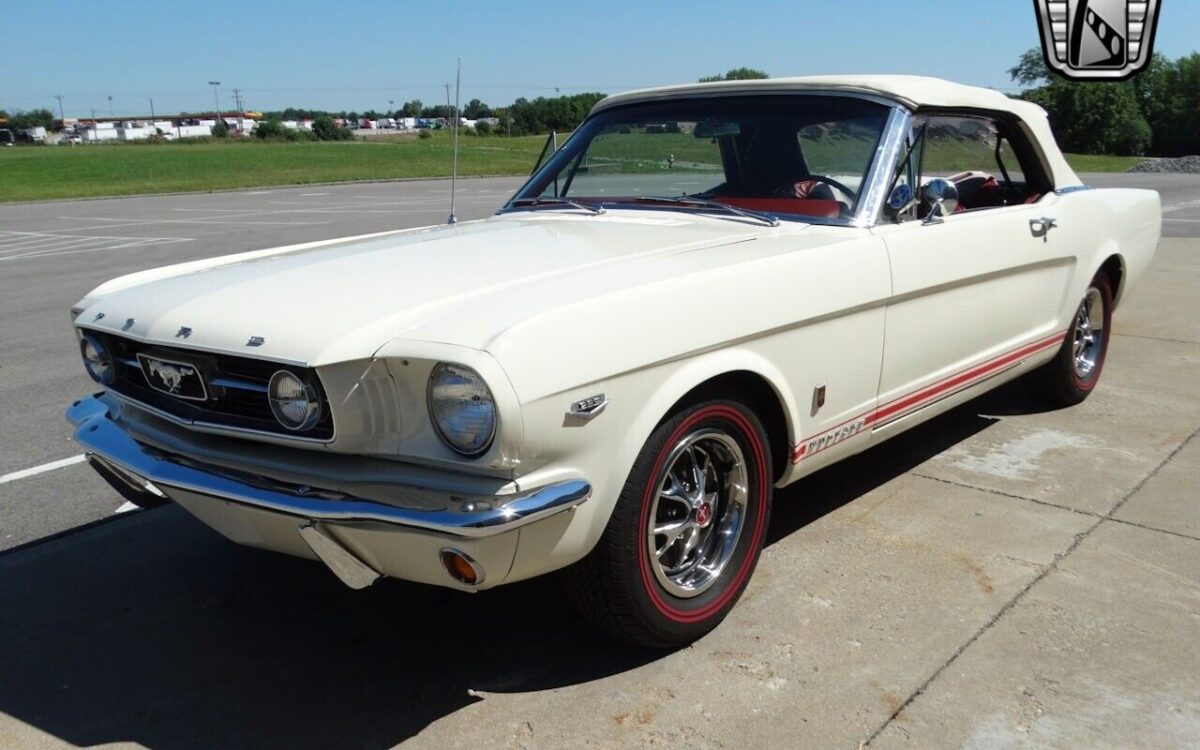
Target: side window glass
[(971, 153)]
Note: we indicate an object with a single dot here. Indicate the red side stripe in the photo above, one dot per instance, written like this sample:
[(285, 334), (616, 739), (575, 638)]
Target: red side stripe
[(898, 407)]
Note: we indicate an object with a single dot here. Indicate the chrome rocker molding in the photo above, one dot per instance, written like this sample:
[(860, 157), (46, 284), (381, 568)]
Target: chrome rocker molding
[(117, 455)]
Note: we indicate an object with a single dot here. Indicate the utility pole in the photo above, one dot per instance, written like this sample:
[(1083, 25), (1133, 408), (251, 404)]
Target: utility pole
[(447, 86), (152, 117), (61, 115), (237, 97), (216, 101)]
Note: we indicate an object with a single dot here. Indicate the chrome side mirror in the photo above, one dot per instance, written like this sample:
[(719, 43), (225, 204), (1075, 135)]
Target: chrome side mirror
[(942, 198)]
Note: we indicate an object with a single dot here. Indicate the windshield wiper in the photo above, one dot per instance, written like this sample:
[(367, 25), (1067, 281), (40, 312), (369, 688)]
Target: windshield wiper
[(540, 201), (767, 219)]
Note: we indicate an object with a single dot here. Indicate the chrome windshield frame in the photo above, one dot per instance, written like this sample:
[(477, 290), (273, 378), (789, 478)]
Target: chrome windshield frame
[(879, 178)]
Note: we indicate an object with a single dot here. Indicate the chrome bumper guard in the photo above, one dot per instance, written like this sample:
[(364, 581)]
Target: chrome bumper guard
[(110, 449)]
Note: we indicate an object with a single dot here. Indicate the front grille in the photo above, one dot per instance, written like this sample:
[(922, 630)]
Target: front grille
[(236, 387)]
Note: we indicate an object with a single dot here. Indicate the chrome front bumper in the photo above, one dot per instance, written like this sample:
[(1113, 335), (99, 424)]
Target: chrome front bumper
[(268, 507)]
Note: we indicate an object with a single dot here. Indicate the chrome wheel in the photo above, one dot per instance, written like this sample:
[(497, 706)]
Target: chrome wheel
[(698, 512), (1088, 343)]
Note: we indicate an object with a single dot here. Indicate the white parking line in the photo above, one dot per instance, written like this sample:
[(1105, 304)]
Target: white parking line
[(127, 507), (212, 220), (21, 245), (60, 464), (1181, 206)]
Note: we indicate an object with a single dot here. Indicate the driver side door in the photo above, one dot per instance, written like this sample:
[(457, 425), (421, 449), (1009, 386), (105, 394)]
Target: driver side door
[(977, 292)]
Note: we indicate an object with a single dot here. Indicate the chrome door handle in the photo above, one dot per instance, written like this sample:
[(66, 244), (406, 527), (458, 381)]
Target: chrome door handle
[(1041, 227)]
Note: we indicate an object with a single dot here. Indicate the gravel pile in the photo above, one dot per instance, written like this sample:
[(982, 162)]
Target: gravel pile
[(1182, 165)]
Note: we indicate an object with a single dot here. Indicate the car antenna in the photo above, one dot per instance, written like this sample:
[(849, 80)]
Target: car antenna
[(454, 172)]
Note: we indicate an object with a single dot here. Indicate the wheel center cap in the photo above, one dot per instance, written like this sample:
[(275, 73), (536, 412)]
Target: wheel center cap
[(703, 514)]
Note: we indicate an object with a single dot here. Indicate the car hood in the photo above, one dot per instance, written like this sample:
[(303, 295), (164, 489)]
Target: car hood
[(330, 302)]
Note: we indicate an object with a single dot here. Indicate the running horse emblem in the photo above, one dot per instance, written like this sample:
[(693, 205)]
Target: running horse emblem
[(171, 376)]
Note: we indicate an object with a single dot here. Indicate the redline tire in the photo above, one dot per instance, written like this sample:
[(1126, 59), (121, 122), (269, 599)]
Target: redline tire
[(624, 587), (1072, 375)]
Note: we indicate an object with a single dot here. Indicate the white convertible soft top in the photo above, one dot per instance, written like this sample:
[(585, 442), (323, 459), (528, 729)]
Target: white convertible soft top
[(912, 92)]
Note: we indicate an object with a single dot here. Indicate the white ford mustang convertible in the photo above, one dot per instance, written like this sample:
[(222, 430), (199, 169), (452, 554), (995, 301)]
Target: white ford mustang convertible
[(707, 293)]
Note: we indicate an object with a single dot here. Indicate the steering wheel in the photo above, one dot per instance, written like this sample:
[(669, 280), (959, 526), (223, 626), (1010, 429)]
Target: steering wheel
[(834, 183)]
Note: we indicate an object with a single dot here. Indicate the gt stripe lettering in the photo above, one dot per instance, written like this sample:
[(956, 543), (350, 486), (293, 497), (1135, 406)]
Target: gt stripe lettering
[(904, 405)]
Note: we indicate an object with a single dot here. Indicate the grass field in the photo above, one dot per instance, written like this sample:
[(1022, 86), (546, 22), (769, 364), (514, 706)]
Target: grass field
[(1092, 163), (45, 173)]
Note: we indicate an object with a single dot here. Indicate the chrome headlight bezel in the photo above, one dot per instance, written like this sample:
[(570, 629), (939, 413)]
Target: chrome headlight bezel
[(300, 387), (99, 364), (480, 441)]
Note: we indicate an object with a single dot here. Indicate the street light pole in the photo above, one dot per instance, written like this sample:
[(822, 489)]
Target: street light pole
[(110, 107), (216, 101), (61, 115)]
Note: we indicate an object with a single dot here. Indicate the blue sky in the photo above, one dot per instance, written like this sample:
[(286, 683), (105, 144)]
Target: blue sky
[(359, 55)]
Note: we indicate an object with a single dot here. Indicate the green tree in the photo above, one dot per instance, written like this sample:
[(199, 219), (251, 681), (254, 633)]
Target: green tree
[(270, 129), (476, 109), (413, 108), (562, 113), (220, 129), (1169, 95), (325, 129), (20, 120), (736, 74), (1031, 69), (1088, 118)]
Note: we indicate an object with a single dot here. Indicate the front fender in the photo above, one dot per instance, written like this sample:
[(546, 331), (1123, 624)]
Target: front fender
[(607, 447)]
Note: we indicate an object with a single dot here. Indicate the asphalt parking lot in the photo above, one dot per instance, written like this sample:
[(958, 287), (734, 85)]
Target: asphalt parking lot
[(1001, 577)]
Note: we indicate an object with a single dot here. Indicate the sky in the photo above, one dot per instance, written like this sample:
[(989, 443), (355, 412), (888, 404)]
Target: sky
[(360, 56)]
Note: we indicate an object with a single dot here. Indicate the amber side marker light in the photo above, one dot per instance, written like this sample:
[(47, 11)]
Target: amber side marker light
[(461, 567)]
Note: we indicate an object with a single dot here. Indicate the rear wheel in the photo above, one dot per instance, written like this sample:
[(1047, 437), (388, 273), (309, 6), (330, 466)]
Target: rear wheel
[(686, 532), (1067, 379)]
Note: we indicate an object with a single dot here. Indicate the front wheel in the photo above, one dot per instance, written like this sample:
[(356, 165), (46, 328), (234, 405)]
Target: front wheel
[(1067, 379), (686, 532)]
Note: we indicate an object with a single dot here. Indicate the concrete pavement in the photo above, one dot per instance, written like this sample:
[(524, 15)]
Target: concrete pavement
[(1001, 577)]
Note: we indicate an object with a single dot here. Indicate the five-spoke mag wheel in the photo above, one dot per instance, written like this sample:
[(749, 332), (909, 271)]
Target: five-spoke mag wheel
[(686, 531), (1073, 373), (698, 513)]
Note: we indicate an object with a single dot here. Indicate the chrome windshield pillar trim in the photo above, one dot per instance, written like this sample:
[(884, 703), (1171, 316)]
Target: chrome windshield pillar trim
[(883, 166), (462, 516), (1071, 189)]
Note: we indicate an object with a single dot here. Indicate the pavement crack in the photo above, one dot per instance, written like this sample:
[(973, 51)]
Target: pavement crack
[(1135, 524), (1156, 338), (1010, 495), (1016, 599)]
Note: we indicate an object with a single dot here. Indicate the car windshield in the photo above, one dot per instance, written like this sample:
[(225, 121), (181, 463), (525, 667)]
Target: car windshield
[(799, 157)]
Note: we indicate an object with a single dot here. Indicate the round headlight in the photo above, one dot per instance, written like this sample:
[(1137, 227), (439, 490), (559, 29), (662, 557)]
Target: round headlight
[(461, 408), (293, 402), (97, 360)]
